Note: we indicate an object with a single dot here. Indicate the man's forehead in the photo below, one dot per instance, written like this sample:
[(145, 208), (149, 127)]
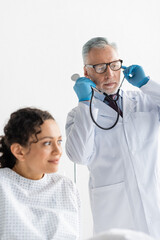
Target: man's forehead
[(107, 53), (107, 48)]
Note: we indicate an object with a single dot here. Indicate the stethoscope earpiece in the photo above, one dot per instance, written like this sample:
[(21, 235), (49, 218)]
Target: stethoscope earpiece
[(124, 67)]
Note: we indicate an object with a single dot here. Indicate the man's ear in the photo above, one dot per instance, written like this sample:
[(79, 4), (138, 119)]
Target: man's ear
[(18, 151), (85, 72)]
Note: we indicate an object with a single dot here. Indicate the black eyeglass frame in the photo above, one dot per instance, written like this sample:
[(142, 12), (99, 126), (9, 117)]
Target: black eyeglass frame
[(107, 64)]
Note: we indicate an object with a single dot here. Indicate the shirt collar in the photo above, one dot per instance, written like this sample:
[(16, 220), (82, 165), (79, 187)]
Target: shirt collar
[(101, 96)]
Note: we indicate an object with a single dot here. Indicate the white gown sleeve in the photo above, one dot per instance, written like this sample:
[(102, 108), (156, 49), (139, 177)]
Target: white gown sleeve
[(80, 131)]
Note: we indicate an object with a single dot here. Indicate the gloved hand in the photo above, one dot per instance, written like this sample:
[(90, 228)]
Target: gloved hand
[(135, 75), (83, 89)]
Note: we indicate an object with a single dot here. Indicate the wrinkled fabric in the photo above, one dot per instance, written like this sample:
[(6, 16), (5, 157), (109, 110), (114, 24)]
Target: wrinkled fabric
[(121, 234), (38, 209)]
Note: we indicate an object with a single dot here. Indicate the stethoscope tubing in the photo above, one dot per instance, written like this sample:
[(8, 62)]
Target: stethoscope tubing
[(115, 102)]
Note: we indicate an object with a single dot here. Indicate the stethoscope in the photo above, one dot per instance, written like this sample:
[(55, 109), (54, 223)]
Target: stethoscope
[(74, 77)]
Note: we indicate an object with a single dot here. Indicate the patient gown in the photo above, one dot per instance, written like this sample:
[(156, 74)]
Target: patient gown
[(38, 209)]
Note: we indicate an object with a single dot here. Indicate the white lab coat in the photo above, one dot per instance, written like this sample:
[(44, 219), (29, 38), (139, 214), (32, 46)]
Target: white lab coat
[(124, 187)]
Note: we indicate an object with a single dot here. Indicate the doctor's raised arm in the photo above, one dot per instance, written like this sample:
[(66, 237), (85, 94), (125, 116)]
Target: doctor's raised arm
[(115, 134)]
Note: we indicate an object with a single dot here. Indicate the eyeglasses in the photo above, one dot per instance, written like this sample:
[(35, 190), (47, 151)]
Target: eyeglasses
[(102, 67)]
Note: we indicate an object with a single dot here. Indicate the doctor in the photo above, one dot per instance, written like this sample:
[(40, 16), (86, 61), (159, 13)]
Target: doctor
[(124, 189)]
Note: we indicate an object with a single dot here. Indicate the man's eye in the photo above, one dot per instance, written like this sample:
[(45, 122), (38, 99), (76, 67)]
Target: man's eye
[(102, 66), (47, 143), (59, 142), (114, 66)]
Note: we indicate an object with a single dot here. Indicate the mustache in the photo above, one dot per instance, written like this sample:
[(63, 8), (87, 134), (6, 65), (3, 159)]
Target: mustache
[(109, 82)]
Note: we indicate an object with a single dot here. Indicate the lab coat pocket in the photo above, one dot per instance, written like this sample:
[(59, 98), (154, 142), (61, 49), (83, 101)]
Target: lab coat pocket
[(107, 121), (110, 207), (145, 124)]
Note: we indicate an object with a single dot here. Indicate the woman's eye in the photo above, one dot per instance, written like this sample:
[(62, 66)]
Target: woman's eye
[(47, 143)]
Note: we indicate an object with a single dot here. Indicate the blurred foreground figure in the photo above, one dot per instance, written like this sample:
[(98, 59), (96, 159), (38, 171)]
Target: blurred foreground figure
[(121, 234)]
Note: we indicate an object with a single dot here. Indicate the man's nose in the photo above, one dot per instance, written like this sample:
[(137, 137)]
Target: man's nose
[(109, 72)]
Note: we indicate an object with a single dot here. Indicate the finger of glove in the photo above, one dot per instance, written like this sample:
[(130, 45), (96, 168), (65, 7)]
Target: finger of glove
[(82, 87), (130, 72), (84, 84), (83, 91), (85, 80)]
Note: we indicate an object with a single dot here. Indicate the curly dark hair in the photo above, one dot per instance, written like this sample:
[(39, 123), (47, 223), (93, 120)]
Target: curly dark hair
[(22, 124)]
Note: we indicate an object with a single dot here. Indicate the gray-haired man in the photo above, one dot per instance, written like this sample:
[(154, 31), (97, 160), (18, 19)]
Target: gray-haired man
[(122, 161)]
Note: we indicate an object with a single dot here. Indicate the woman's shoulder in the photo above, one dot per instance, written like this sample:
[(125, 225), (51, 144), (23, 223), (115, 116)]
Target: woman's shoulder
[(56, 177), (5, 176), (4, 172), (63, 182), (67, 186)]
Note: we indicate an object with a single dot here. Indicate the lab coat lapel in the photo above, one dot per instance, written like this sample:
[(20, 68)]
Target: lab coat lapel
[(104, 109), (129, 105)]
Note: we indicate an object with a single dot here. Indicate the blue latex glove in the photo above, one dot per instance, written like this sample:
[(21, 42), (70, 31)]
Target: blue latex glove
[(135, 75), (83, 89)]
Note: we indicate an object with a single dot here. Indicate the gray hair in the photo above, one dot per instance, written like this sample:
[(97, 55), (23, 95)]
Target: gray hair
[(97, 42)]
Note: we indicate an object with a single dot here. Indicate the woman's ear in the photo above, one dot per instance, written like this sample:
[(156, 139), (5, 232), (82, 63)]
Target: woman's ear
[(18, 151)]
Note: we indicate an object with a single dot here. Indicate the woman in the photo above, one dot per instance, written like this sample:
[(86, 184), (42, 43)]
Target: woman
[(35, 202)]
